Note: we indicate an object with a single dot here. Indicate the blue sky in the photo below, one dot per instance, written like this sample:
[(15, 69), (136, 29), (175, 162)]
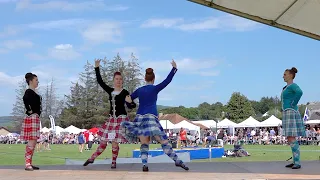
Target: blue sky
[(216, 53)]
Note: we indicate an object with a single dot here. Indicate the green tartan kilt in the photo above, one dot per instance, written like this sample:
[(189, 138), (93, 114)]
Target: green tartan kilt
[(293, 124)]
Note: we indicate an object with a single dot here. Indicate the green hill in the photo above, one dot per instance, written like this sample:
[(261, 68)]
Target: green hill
[(160, 107), (6, 121)]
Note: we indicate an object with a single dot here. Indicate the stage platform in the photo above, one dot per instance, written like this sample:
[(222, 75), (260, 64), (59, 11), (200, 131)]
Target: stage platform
[(195, 153), (203, 171)]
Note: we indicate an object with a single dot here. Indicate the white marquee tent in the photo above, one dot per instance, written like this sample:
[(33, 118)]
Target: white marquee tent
[(187, 125), (296, 16), (272, 121), (226, 123), (72, 129), (207, 123), (58, 129), (166, 124), (250, 122), (45, 130), (313, 122)]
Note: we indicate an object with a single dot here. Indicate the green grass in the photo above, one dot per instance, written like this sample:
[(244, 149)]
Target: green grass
[(14, 154)]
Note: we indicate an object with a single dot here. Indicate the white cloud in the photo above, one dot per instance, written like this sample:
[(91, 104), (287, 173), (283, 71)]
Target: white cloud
[(158, 22), (68, 6), (9, 31), (64, 52), (92, 31), (102, 32), (6, 79), (58, 52), (226, 23), (17, 44), (186, 66)]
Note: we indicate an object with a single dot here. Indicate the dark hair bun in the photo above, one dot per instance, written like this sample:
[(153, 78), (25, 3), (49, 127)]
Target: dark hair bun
[(28, 75), (295, 70), (149, 71)]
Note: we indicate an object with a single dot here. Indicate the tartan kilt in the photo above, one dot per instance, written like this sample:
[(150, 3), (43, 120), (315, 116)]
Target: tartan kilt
[(292, 123), (143, 125), (112, 125), (30, 129)]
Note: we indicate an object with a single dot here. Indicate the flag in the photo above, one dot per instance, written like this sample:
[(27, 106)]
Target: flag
[(306, 114)]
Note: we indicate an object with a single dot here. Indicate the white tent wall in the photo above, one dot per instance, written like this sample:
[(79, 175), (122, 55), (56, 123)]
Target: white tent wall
[(166, 124), (296, 16), (58, 130)]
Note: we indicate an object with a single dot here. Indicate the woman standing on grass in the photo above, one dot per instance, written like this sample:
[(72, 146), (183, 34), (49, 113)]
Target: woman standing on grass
[(146, 123), (292, 123), (81, 141), (31, 123), (111, 130)]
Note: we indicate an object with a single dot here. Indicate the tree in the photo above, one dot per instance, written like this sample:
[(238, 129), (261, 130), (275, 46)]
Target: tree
[(239, 107), (133, 74), (19, 110)]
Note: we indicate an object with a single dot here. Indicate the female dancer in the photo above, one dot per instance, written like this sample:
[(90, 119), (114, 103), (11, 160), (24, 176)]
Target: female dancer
[(31, 123), (146, 123), (111, 130), (292, 123)]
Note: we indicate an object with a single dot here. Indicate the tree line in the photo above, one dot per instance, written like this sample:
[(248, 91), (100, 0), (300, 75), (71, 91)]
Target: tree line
[(87, 104)]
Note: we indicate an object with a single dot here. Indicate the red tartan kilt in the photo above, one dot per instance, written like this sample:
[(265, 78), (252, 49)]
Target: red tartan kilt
[(30, 129), (112, 125)]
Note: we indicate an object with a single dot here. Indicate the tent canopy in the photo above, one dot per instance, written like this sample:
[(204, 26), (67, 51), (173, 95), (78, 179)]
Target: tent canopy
[(207, 123), (250, 122), (297, 16), (72, 129), (272, 121), (226, 123), (166, 124)]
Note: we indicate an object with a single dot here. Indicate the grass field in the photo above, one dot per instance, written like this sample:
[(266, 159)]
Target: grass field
[(14, 154)]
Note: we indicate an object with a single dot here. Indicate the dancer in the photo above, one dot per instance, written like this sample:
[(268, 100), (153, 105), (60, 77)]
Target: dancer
[(31, 123), (111, 130), (146, 123), (292, 123)]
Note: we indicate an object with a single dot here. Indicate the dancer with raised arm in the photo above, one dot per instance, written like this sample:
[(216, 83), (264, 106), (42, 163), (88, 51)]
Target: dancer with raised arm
[(292, 123), (146, 123), (31, 123), (111, 130)]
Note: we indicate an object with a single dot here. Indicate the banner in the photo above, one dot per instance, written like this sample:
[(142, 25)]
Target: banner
[(52, 122)]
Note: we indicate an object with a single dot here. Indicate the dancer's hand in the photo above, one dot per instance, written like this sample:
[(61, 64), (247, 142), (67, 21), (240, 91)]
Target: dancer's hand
[(128, 99), (173, 63), (97, 62)]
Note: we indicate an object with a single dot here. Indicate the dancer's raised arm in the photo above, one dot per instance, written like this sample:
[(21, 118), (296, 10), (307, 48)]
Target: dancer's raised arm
[(169, 78), (104, 86)]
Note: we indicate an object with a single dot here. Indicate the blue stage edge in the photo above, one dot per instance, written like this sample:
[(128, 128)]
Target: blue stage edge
[(195, 153)]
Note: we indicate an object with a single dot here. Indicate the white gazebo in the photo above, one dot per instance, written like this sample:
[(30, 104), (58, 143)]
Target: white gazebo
[(226, 123), (45, 130), (313, 122), (166, 124), (187, 125), (58, 129), (250, 122), (272, 121), (72, 129), (207, 123)]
